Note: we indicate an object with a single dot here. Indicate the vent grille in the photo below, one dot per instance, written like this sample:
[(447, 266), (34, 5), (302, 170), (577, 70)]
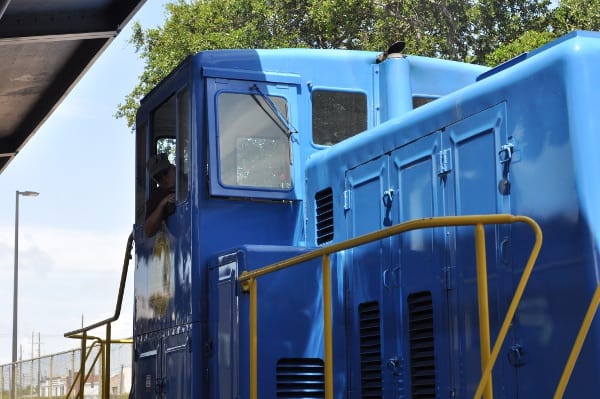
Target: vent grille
[(370, 350), (324, 207), (422, 362), (300, 378)]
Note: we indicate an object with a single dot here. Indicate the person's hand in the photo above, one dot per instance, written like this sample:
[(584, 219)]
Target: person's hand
[(169, 199), (167, 204)]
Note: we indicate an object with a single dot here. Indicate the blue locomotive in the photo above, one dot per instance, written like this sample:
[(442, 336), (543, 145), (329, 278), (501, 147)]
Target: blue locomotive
[(277, 272)]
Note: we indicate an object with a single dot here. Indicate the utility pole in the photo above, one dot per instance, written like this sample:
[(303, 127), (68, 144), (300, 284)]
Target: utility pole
[(16, 283), (39, 373)]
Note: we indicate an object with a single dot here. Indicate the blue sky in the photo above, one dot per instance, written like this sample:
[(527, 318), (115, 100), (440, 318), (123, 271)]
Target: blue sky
[(72, 236)]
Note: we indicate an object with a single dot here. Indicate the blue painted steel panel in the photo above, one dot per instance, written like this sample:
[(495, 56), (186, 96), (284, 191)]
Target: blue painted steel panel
[(290, 318), (419, 256), (365, 267)]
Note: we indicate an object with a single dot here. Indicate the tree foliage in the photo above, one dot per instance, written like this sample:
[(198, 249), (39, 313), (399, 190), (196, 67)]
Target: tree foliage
[(526, 42), (480, 31), (577, 14)]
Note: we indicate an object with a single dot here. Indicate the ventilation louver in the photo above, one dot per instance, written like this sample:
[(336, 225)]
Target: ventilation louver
[(300, 378), (420, 330), (370, 350), (324, 209)]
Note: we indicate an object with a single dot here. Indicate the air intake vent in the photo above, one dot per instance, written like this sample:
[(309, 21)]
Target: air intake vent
[(422, 362), (370, 350), (324, 206), (300, 378)]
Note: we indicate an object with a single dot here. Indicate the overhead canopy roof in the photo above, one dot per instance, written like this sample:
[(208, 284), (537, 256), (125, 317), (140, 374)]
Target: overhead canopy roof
[(45, 47)]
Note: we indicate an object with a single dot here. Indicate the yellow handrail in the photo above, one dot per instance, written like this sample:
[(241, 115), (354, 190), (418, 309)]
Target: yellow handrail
[(248, 283), (585, 327), (328, 329), (483, 305), (486, 377)]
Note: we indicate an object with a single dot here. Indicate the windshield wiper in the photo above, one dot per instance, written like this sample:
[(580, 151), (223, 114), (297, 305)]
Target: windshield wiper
[(290, 128)]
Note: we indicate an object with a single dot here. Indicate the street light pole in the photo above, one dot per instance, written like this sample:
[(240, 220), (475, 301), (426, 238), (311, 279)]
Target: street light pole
[(16, 289)]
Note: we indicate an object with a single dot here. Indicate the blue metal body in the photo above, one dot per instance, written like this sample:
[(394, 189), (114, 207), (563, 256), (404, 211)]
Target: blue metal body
[(517, 139)]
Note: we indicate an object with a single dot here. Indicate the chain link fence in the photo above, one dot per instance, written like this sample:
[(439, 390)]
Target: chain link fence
[(54, 376)]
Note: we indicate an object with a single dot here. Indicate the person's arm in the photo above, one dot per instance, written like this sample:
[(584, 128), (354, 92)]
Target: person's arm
[(154, 220)]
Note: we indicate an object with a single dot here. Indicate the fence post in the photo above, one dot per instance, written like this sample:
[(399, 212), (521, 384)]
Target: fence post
[(106, 366), (72, 369), (82, 366), (31, 369), (50, 382)]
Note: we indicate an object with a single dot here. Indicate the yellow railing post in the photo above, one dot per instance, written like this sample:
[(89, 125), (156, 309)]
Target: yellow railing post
[(512, 308), (585, 327), (483, 303), (328, 330), (83, 357), (106, 363), (253, 339)]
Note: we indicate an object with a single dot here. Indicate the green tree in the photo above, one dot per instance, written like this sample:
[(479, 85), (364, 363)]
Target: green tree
[(528, 41), (573, 15), (430, 28), (189, 27), (567, 16), (499, 23)]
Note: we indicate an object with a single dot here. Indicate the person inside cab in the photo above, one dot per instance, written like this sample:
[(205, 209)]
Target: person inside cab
[(161, 203)]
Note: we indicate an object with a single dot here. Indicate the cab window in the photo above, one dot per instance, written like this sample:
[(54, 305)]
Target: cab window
[(170, 137), (337, 115), (253, 141)]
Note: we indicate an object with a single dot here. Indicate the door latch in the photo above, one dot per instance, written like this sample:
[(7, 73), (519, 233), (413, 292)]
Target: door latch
[(505, 157), (388, 198), (516, 356)]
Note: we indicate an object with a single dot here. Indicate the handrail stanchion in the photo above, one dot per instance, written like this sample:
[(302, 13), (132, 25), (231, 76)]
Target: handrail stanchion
[(106, 365), (512, 308), (83, 357), (483, 303), (585, 327), (74, 384), (253, 339), (328, 330)]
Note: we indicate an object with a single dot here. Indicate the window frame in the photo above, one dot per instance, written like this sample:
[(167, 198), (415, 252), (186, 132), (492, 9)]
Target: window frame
[(182, 183), (217, 87)]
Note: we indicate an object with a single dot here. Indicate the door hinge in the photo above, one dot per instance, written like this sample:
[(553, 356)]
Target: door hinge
[(444, 162), (347, 199)]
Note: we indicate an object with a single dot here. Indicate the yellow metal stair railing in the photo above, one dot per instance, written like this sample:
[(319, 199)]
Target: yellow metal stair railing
[(97, 342), (249, 284), (489, 359), (77, 382), (583, 330), (82, 333)]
